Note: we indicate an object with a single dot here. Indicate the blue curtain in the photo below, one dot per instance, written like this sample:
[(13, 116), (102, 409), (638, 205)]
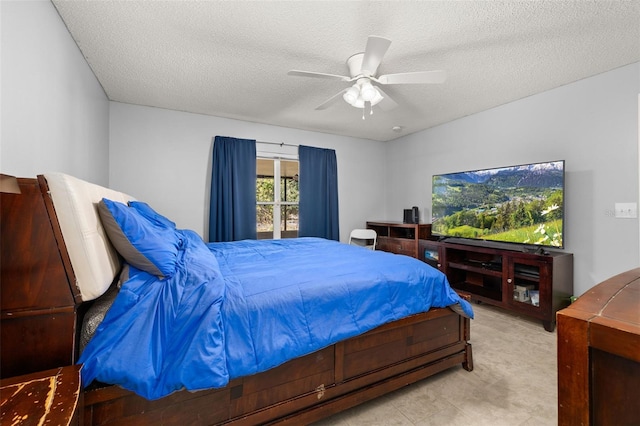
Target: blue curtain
[(318, 186), (232, 211)]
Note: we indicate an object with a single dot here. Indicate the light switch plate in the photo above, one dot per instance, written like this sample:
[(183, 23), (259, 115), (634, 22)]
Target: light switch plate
[(627, 210)]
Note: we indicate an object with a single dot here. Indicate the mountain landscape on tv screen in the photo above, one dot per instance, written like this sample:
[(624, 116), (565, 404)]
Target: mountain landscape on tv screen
[(520, 204)]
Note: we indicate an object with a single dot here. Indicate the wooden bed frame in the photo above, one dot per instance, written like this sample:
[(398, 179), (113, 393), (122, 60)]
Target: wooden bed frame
[(42, 311)]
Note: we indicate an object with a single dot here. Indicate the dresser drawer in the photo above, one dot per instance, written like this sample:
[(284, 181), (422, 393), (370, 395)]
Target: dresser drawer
[(398, 246)]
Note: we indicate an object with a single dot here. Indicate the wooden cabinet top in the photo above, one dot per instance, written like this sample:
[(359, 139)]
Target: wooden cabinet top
[(515, 251), (396, 224), (49, 397), (612, 310), (412, 231)]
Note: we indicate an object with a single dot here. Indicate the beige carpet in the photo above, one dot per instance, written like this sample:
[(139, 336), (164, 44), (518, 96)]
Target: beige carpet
[(513, 383)]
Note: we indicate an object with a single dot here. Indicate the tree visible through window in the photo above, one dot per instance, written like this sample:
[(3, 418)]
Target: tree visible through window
[(277, 176)]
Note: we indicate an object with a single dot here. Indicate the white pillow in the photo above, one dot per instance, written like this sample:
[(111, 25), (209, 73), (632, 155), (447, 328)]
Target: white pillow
[(94, 261)]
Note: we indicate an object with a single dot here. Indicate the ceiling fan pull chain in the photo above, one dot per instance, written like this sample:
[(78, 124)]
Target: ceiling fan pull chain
[(370, 108), (363, 113)]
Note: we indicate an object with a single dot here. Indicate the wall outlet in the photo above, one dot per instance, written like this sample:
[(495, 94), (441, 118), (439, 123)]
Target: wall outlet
[(626, 210)]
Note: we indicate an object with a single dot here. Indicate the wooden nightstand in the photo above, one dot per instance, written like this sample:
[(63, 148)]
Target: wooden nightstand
[(48, 397)]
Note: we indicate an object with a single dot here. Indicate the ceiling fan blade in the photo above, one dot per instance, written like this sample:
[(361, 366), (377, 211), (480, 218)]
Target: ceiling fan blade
[(373, 54), (332, 100), (419, 77), (386, 104), (318, 75)]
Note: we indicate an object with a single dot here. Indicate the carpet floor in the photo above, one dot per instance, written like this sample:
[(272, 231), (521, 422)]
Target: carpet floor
[(514, 382)]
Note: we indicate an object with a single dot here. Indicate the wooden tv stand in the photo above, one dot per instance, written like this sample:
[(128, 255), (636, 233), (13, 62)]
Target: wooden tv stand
[(504, 277)]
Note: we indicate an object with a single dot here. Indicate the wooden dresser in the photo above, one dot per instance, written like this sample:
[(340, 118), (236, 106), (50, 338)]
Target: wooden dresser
[(599, 355), (400, 238)]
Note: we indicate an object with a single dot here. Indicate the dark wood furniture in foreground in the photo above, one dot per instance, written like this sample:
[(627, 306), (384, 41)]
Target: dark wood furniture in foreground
[(599, 355), (46, 398), (400, 238), (38, 284)]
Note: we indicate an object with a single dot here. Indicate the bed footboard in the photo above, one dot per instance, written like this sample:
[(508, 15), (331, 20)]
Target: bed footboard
[(309, 388)]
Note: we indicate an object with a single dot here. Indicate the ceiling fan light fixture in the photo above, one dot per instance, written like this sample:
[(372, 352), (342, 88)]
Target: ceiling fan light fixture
[(351, 95), (362, 92), (377, 98), (367, 91)]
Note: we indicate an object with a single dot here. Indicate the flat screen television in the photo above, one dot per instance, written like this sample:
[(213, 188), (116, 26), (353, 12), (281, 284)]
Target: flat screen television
[(521, 204)]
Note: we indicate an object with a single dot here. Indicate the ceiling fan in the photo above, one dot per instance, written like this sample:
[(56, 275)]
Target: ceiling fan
[(362, 70)]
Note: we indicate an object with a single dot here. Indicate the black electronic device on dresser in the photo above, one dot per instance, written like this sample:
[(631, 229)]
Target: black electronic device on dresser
[(411, 215)]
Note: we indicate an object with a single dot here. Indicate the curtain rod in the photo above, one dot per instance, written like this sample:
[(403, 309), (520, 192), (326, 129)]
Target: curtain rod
[(277, 143)]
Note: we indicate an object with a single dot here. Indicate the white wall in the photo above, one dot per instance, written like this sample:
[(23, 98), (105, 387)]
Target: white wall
[(54, 113), (164, 157), (591, 124)]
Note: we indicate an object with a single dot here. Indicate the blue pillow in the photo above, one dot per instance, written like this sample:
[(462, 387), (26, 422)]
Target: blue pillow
[(142, 243), (145, 210)]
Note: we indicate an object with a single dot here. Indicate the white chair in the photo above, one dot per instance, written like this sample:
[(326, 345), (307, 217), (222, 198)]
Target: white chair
[(367, 238)]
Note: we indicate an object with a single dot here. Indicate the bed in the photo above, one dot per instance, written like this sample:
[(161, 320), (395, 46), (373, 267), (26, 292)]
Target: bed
[(301, 368)]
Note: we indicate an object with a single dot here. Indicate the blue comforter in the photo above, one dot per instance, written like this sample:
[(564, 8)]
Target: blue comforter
[(235, 309)]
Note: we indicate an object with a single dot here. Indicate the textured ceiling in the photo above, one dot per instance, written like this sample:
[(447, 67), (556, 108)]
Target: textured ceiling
[(231, 58)]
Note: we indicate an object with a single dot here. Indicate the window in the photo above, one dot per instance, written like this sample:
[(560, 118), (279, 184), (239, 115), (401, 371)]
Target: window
[(277, 176)]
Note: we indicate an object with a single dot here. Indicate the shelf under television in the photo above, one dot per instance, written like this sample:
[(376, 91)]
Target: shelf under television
[(527, 277), (478, 292), (473, 268)]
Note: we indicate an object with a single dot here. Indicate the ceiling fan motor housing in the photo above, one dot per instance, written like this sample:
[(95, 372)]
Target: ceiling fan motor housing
[(355, 66)]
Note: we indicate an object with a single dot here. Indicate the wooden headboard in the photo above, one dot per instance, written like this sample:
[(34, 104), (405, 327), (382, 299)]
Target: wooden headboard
[(54, 256)]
